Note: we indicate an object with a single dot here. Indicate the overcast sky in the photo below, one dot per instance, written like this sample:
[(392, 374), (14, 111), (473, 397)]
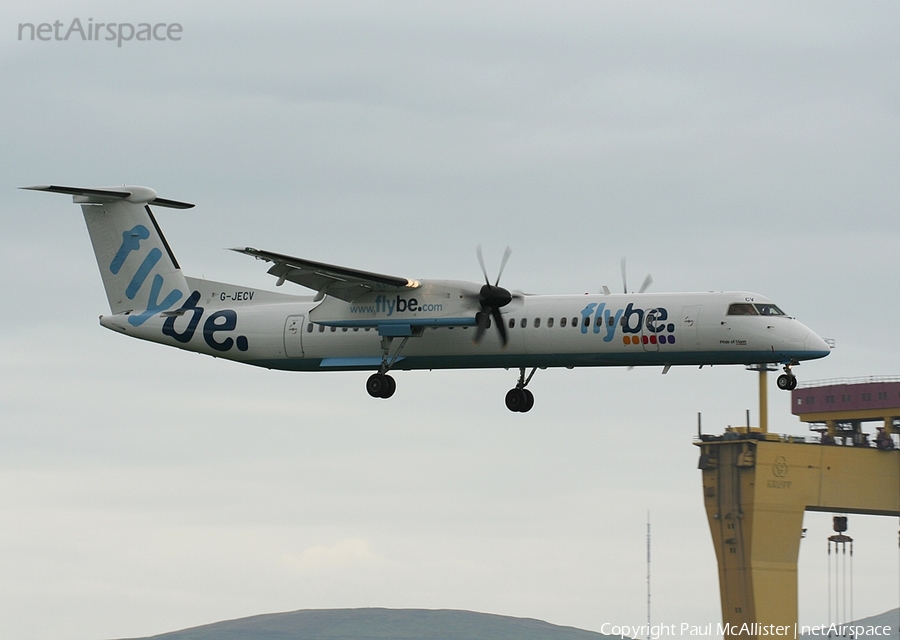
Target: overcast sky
[(719, 146)]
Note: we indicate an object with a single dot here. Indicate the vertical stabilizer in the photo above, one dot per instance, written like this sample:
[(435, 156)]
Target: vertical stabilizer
[(139, 271)]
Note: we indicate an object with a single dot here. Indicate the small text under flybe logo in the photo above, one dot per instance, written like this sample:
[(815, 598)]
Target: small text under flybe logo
[(389, 306)]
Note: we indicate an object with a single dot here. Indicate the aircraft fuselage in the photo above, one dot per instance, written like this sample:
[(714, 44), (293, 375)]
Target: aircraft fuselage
[(278, 332)]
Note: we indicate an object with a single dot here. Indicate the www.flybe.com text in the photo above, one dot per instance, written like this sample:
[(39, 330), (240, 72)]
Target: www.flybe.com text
[(388, 306)]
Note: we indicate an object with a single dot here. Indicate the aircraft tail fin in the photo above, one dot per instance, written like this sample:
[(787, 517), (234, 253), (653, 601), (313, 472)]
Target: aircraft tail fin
[(139, 270)]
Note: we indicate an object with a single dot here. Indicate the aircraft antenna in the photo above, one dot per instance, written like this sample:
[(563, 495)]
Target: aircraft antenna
[(648, 574)]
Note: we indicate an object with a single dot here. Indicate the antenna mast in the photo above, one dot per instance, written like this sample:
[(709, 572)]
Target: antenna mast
[(648, 575)]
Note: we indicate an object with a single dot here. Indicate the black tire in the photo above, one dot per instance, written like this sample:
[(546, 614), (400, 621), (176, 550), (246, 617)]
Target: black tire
[(376, 384), (529, 401), (793, 383), (516, 400), (390, 386), (784, 382)]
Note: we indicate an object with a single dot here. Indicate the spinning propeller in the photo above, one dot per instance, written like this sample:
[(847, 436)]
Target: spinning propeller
[(491, 298), (647, 281)]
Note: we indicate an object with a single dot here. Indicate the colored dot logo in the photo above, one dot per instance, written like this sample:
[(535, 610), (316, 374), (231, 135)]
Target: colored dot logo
[(653, 338)]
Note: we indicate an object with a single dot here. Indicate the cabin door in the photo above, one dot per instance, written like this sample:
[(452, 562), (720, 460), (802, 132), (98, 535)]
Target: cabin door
[(293, 336)]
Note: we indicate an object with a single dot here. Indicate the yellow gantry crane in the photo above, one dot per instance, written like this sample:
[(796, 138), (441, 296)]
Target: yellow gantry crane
[(756, 486)]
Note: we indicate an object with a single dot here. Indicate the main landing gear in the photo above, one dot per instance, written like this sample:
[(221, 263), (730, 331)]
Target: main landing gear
[(520, 399), (787, 381), (381, 385)]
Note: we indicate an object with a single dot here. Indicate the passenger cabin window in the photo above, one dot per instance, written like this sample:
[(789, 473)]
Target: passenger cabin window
[(512, 323), (562, 322), (742, 309), (575, 322), (537, 323), (549, 323), (524, 323)]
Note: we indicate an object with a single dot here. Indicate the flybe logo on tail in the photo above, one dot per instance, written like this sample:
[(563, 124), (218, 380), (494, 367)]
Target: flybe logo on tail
[(221, 322), (131, 241)]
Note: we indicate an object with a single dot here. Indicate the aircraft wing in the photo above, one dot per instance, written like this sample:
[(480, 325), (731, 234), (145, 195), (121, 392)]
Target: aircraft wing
[(340, 282)]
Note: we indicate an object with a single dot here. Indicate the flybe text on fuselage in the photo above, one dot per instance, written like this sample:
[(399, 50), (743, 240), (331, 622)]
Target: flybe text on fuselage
[(651, 322)]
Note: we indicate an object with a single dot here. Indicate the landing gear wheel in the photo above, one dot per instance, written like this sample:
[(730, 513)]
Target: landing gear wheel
[(529, 401), (519, 400), (380, 385), (516, 399), (375, 385), (787, 382)]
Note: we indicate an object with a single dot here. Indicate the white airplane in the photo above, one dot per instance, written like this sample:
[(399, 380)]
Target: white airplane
[(362, 321)]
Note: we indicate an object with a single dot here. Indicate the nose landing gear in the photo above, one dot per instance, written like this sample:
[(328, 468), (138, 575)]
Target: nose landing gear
[(520, 399), (787, 381)]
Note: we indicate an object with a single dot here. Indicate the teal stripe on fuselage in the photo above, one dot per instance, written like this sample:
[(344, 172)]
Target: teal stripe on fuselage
[(412, 322), (501, 361)]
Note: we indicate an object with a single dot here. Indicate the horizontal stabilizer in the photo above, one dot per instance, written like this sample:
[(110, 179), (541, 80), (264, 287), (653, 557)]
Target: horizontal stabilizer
[(103, 195)]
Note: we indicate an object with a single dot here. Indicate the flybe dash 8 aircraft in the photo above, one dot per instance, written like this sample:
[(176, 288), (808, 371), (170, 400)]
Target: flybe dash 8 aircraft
[(364, 321)]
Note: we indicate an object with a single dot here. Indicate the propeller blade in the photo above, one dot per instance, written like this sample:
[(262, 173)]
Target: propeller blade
[(498, 321), (481, 262), (481, 322), (491, 298), (503, 264), (647, 282)]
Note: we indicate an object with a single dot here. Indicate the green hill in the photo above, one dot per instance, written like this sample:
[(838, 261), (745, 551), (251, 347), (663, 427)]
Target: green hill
[(380, 624)]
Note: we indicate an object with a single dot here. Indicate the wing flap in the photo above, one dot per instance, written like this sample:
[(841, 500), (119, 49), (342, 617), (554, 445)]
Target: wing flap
[(339, 282)]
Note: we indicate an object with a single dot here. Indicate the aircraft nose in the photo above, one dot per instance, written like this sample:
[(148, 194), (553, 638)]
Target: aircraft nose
[(817, 346)]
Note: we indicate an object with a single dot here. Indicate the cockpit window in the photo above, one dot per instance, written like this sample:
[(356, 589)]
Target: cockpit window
[(742, 309), (768, 310)]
